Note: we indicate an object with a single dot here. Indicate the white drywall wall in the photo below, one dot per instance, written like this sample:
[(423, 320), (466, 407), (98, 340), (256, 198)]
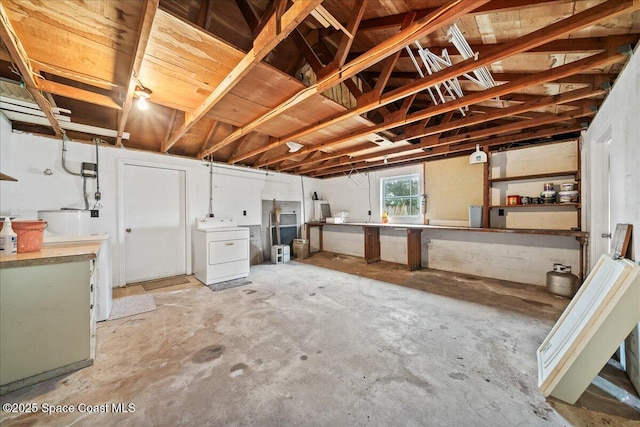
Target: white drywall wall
[(360, 192), (619, 119), (26, 156)]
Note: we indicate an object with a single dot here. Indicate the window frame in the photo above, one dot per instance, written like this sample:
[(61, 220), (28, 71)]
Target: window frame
[(417, 196)]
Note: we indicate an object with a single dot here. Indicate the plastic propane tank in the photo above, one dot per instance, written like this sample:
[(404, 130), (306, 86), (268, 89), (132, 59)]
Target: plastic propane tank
[(8, 239), (560, 281)]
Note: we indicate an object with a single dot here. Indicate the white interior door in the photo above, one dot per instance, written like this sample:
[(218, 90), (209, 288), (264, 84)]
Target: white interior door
[(154, 222)]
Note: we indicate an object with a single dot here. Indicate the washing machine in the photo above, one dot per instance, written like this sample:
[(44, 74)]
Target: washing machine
[(220, 250)]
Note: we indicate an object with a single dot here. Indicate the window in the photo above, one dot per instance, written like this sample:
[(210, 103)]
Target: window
[(401, 196)]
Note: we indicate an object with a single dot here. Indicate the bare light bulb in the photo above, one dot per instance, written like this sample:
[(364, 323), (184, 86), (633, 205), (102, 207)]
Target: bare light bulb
[(142, 103)]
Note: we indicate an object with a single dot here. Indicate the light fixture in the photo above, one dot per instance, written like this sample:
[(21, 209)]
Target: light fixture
[(294, 146), (142, 93), (478, 156), (386, 159)]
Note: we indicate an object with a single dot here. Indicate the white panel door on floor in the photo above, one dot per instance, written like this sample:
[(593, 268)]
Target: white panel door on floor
[(154, 220)]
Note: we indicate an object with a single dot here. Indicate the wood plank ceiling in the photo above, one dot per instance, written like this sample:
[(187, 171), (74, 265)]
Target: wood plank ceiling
[(234, 80)]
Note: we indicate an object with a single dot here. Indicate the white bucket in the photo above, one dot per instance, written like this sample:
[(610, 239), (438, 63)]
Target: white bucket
[(68, 221)]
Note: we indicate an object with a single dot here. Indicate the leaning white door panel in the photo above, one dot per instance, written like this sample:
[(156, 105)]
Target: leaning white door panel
[(578, 315), (589, 330)]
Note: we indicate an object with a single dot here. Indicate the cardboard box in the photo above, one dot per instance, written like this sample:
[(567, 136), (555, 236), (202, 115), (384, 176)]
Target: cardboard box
[(301, 248)]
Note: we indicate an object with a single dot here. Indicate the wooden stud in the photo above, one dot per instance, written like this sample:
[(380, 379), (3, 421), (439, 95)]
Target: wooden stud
[(349, 32), (418, 131), (238, 146), (21, 59), (573, 23), (594, 61), (213, 129), (438, 19), (144, 31), (396, 20), (431, 142), (172, 123), (76, 93), (248, 14), (390, 62), (544, 132), (263, 44)]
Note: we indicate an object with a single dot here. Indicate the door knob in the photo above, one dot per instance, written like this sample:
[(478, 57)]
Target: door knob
[(128, 230), (606, 235)]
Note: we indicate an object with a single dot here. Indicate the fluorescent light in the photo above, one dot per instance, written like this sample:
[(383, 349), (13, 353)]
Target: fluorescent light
[(294, 146)]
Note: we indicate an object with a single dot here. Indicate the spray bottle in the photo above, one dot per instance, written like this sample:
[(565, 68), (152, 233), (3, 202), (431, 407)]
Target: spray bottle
[(8, 239)]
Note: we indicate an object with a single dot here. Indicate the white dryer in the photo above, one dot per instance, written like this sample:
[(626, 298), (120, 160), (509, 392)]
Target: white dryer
[(220, 250)]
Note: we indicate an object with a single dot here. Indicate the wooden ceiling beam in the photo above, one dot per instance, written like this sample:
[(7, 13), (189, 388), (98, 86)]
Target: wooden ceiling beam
[(21, 59), (203, 14), (390, 62), (539, 133), (442, 17), (449, 125), (213, 129), (594, 61), (248, 14), (60, 89), (264, 43), (306, 50), (347, 38), (275, 8), (594, 79), (150, 7), (548, 119), (81, 78), (419, 131), (238, 146), (167, 133), (562, 46), (393, 21), (583, 19), (511, 127)]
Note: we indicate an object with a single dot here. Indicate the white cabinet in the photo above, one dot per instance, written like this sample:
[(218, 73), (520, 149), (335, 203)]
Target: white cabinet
[(47, 323)]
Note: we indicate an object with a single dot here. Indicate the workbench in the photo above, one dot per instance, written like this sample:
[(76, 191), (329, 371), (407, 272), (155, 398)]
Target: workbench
[(371, 233)]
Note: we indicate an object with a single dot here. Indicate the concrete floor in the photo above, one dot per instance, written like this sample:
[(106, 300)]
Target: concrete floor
[(303, 345)]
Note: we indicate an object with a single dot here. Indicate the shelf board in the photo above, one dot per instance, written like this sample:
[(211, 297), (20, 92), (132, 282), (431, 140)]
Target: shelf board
[(542, 205), (573, 173)]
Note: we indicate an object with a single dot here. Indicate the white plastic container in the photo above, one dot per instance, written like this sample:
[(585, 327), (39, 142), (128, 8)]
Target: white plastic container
[(67, 221), (475, 216), (8, 239)]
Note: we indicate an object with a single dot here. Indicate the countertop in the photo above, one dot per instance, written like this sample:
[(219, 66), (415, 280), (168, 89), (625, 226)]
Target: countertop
[(53, 254), (571, 233)]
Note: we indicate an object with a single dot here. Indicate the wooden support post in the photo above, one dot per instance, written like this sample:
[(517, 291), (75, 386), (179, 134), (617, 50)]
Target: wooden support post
[(414, 248), (371, 243), (319, 225)]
